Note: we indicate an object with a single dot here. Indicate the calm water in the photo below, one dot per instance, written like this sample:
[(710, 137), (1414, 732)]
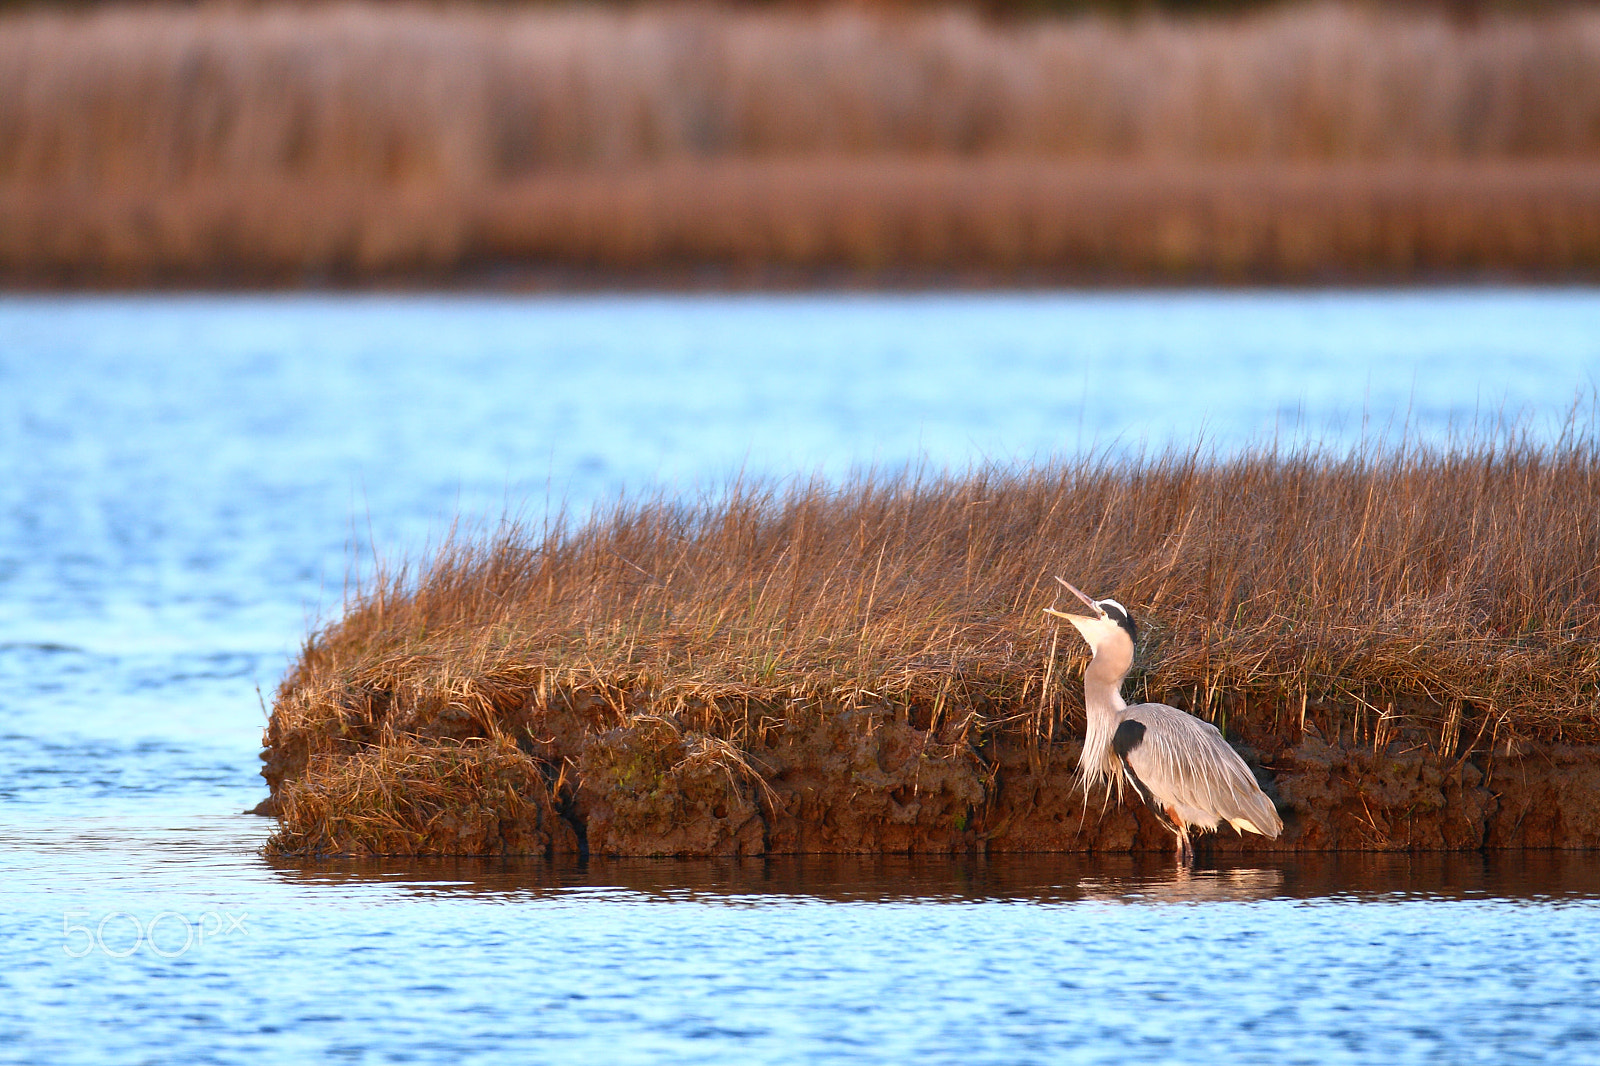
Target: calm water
[(185, 484)]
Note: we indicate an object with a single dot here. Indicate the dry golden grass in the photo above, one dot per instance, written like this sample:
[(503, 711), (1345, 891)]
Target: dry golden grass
[(147, 144), (1451, 596)]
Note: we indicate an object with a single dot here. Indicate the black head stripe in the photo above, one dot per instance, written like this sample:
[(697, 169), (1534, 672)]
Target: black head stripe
[(1122, 618)]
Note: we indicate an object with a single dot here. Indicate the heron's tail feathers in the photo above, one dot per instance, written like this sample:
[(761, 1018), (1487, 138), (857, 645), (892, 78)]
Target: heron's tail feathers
[(1262, 819)]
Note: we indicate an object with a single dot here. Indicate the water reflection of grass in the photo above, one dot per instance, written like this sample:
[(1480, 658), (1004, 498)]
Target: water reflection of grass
[(353, 141), (1435, 598)]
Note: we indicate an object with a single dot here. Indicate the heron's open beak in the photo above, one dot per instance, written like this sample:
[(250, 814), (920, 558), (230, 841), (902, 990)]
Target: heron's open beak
[(1078, 621)]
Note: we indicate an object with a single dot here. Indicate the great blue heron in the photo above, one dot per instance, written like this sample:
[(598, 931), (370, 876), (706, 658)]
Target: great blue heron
[(1179, 765)]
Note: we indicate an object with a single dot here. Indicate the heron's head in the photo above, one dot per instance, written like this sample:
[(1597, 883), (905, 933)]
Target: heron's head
[(1111, 627)]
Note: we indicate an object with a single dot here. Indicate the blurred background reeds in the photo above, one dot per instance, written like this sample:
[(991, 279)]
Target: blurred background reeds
[(357, 141)]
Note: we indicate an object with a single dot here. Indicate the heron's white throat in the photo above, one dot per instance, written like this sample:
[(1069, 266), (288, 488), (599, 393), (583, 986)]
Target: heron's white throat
[(1113, 658)]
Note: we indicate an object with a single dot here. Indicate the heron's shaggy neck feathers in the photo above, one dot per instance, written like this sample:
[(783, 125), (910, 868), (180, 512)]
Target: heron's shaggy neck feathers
[(1103, 706)]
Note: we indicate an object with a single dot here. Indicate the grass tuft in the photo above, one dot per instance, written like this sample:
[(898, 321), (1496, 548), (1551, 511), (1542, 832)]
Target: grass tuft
[(1447, 597)]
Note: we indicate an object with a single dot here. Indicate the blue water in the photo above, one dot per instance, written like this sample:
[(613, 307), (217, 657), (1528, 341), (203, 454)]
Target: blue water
[(186, 484)]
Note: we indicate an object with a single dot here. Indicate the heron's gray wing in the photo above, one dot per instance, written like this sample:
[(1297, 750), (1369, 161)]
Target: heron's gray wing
[(1184, 762)]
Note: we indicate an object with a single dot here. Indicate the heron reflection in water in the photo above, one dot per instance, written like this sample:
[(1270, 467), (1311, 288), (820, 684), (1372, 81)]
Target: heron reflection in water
[(1179, 765), (1183, 884)]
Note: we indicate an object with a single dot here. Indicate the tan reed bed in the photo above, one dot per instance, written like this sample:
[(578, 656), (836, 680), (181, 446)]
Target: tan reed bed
[(1387, 600), (884, 220), (147, 144), (388, 93)]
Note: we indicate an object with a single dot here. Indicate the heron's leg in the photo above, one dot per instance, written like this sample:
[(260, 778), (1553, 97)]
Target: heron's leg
[(1185, 849)]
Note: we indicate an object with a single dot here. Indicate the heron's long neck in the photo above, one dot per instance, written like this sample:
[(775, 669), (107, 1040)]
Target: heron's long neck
[(1103, 706)]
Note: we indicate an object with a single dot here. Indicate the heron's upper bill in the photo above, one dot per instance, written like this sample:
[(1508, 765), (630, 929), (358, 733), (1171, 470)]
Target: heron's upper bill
[(1076, 591)]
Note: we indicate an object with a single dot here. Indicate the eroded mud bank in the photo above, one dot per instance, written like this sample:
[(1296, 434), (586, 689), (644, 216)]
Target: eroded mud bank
[(871, 780)]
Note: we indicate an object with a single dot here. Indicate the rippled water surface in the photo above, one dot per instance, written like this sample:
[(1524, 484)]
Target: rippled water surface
[(185, 484)]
